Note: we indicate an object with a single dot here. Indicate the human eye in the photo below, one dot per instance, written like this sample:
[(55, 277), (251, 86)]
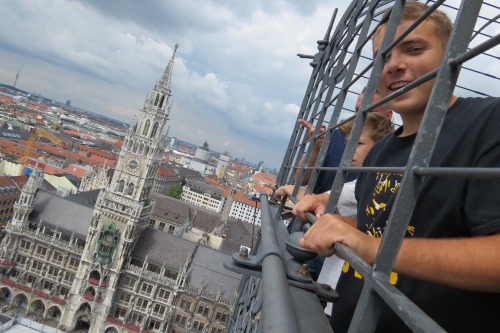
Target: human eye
[(415, 49)]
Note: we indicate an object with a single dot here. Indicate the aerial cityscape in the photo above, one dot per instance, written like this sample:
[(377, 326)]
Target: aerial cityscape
[(115, 227)]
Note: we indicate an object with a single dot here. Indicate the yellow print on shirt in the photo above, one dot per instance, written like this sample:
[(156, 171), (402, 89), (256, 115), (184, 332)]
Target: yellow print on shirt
[(387, 184), (393, 278)]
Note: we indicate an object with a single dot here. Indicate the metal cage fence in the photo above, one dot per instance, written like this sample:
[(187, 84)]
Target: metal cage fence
[(275, 297)]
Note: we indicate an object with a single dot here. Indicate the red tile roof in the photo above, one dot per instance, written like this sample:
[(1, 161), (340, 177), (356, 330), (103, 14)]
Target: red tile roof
[(76, 170), (166, 173), (52, 170), (265, 178), (98, 152), (259, 188)]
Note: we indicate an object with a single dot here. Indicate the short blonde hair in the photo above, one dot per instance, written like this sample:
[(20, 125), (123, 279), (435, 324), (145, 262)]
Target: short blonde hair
[(414, 9)]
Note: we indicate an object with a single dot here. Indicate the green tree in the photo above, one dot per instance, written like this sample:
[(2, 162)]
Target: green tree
[(175, 191)]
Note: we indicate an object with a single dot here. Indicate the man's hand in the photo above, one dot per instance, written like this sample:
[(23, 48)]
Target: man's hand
[(283, 191), (314, 203), (310, 130), (330, 229)]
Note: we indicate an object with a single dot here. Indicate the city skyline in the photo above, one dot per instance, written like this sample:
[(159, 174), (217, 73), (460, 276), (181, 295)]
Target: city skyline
[(237, 80)]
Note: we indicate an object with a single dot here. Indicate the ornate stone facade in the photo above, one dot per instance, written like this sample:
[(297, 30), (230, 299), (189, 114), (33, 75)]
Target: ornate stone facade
[(101, 268)]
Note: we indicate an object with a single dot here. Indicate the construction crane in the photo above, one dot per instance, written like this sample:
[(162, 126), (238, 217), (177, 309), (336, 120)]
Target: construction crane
[(36, 132)]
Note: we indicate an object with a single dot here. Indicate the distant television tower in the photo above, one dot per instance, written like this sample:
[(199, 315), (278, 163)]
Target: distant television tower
[(17, 76)]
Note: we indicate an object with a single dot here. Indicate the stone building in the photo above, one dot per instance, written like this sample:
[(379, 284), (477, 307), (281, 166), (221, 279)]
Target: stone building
[(92, 262)]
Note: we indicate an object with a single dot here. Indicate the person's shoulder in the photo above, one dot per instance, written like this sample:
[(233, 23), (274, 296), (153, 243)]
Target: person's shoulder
[(479, 104)]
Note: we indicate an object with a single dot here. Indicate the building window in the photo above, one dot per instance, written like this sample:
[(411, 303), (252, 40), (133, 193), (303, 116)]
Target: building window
[(41, 250), (146, 289), (36, 265), (142, 303), (73, 262), (203, 310), (186, 303), (154, 324), (137, 318), (25, 245), (47, 285), (171, 229), (197, 326), (153, 268), (14, 273), (20, 259), (120, 312), (53, 271), (129, 282), (63, 291), (180, 320), (159, 309), (125, 297), (220, 316), (69, 277), (57, 256), (163, 294), (161, 226)]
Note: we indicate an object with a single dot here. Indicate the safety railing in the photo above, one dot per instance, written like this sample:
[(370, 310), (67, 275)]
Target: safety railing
[(276, 296)]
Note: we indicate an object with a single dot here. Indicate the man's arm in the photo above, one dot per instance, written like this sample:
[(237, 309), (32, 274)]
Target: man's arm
[(314, 154), (466, 263)]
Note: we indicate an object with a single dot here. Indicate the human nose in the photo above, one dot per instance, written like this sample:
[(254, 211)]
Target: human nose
[(394, 63)]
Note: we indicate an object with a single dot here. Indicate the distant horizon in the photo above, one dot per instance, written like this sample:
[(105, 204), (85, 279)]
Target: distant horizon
[(125, 124)]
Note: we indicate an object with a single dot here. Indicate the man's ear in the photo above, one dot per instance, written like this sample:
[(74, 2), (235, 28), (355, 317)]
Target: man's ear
[(389, 114)]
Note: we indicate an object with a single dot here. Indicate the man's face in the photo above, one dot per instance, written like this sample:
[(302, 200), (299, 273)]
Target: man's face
[(417, 54), (381, 109)]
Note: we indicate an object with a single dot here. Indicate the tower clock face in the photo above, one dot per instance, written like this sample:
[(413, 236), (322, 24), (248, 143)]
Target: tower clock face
[(133, 164)]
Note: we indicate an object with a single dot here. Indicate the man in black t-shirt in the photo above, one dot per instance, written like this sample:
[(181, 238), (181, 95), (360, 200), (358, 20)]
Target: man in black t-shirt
[(448, 261)]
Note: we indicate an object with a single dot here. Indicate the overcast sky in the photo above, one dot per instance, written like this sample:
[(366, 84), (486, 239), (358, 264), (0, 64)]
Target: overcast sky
[(237, 81)]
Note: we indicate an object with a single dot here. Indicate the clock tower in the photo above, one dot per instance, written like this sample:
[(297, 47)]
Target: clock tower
[(122, 210)]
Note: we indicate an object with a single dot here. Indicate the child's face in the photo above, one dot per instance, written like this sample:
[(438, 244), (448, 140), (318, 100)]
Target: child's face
[(365, 143)]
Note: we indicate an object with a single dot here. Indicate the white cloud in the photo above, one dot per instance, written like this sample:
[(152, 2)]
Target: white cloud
[(237, 81)]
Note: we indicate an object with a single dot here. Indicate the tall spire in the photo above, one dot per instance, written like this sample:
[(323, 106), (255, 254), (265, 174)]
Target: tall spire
[(165, 83)]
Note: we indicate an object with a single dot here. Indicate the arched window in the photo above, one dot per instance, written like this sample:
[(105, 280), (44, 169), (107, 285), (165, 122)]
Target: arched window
[(121, 185), (146, 128), (130, 189), (161, 101), (155, 129), (141, 148), (156, 99)]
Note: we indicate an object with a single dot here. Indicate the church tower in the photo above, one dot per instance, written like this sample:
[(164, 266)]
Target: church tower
[(22, 209), (24, 206), (122, 210)]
